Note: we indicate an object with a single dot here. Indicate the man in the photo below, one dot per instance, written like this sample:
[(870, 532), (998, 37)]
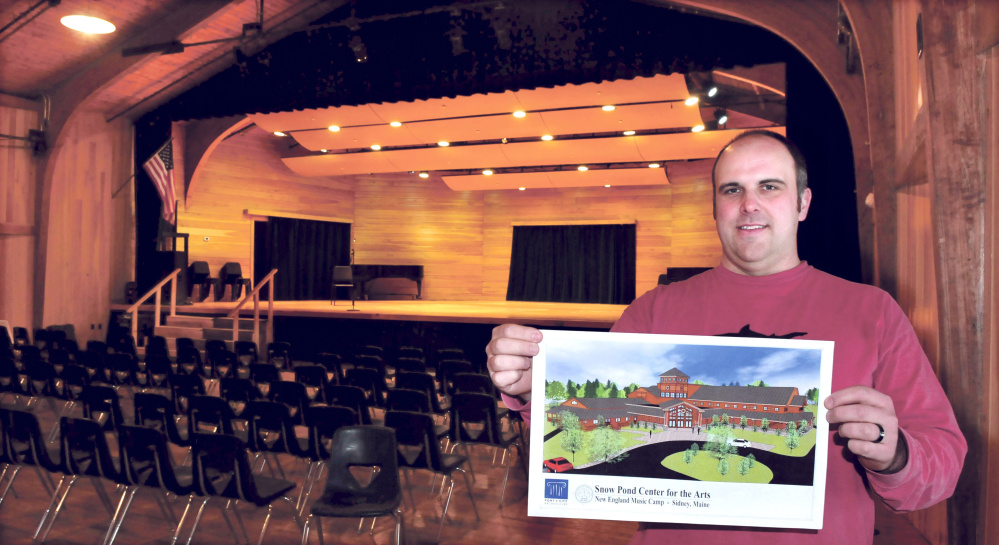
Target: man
[(893, 432)]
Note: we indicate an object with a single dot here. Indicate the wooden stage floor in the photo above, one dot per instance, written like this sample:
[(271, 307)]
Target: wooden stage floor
[(480, 312)]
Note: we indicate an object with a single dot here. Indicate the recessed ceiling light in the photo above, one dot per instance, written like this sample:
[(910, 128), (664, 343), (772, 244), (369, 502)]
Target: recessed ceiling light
[(607, 108), (443, 143), (323, 150), (690, 101), (375, 147), (697, 128), (87, 24), (547, 138), (519, 113), (396, 124), (279, 133), (521, 188), (334, 128), (424, 175), (629, 133), (487, 172), (582, 168), (606, 185), (653, 165)]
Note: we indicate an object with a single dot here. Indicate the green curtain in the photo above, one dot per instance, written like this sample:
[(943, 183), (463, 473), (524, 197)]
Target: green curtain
[(304, 252), (573, 264)]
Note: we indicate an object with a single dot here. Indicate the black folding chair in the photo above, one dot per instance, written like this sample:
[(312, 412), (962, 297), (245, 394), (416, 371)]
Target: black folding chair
[(474, 421)]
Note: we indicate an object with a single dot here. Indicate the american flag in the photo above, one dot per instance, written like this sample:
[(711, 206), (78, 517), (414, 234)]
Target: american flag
[(160, 169)]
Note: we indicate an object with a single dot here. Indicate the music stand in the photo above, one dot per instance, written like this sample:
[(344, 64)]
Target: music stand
[(343, 276)]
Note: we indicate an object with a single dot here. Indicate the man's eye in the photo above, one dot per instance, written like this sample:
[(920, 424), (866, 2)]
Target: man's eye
[(769, 187), (730, 190)]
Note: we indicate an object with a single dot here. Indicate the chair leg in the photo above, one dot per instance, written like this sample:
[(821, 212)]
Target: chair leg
[(52, 503), (183, 516), (197, 520), (506, 477), (119, 516), (447, 503), (468, 486), (239, 519), (405, 476), (263, 529)]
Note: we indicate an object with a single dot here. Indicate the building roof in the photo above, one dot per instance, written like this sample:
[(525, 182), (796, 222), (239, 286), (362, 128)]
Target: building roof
[(771, 395), (799, 400), (604, 402), (591, 414), (773, 417), (674, 372)]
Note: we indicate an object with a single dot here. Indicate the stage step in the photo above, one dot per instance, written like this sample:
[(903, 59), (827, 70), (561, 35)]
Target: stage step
[(190, 321), (200, 329)]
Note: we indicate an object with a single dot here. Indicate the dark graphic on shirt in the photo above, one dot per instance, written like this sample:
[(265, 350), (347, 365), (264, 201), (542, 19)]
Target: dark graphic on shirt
[(746, 332)]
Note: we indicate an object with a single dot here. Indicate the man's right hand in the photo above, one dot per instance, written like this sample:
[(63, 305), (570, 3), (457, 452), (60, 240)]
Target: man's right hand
[(510, 357)]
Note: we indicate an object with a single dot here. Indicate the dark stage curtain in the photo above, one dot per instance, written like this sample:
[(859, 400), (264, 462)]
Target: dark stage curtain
[(573, 264), (304, 252)]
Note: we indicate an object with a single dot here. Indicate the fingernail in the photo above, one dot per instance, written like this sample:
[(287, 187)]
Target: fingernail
[(536, 336)]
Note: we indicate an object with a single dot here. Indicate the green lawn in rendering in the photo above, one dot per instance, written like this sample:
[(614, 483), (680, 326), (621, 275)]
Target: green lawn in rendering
[(553, 447), (704, 467)]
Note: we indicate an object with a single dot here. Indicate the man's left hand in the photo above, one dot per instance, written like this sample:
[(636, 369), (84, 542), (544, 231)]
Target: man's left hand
[(867, 420)]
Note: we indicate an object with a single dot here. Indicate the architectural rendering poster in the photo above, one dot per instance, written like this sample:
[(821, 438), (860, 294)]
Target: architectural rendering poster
[(668, 428)]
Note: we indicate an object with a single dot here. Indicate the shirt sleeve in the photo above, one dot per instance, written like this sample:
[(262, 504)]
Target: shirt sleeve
[(936, 445), (515, 404)]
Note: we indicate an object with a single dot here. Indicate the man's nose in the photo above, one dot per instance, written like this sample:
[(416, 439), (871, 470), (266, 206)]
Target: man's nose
[(750, 202)]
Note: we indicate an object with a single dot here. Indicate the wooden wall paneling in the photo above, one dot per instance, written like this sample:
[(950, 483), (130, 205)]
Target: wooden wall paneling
[(244, 172), (121, 238), (401, 219), (917, 290), (17, 213), (954, 104), (79, 243), (990, 486), (908, 83)]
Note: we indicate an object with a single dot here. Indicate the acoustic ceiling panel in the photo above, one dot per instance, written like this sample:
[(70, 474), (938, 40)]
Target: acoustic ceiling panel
[(568, 178), (443, 108), (344, 116), (357, 137), (638, 117), (660, 87), (622, 149)]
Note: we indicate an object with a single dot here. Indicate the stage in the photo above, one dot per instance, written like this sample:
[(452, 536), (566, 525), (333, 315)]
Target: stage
[(561, 315)]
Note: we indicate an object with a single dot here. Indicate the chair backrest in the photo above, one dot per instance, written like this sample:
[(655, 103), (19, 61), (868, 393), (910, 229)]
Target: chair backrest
[(264, 373), (363, 446), (372, 381), (182, 387), (220, 363), (238, 392), (343, 275), (184, 342), (333, 365), (231, 273), (21, 336), (279, 354), (415, 365), (314, 378), (211, 411), (145, 459), (292, 394), (246, 352), (323, 421), (101, 404), (473, 383), (352, 397), (220, 468), (157, 344), (416, 439), (83, 449), (402, 399), (74, 379), (410, 352), (422, 382), (157, 411), (25, 442), (271, 428), (474, 420), (9, 379)]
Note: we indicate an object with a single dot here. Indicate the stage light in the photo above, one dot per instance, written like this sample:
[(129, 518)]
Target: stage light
[(375, 147), (690, 101), (443, 143), (697, 128), (334, 128), (519, 113), (547, 138), (360, 50), (653, 165), (424, 175), (487, 172), (629, 133), (395, 124), (608, 108), (582, 168)]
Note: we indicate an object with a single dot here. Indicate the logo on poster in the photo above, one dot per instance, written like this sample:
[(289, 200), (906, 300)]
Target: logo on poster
[(556, 489), (584, 494)]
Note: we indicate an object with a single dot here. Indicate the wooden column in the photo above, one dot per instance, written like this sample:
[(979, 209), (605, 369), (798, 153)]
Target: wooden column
[(955, 167)]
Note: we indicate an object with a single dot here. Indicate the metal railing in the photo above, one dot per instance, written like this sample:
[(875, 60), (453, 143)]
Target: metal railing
[(255, 295), (157, 290)]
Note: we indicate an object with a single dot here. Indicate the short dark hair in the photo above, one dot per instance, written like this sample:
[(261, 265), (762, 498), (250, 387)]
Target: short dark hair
[(800, 169)]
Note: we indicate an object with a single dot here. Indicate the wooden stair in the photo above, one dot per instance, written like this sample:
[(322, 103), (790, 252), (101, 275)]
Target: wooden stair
[(201, 328)]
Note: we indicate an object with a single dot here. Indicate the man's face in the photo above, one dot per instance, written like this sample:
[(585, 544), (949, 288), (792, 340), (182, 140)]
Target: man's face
[(756, 207)]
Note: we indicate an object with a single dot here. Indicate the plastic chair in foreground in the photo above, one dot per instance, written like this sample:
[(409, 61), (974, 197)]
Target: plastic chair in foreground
[(419, 449), (24, 445), (322, 421), (221, 470), (344, 496)]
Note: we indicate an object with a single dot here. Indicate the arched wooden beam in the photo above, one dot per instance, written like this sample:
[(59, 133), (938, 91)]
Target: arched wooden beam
[(811, 28), (201, 138)]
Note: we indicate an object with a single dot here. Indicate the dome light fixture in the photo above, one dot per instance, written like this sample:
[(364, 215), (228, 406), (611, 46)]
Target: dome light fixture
[(334, 128), (87, 24), (519, 113), (697, 128), (629, 133), (690, 101), (547, 138), (653, 165), (487, 172), (396, 124), (606, 185), (521, 188), (582, 168), (376, 147), (443, 143), (608, 108)]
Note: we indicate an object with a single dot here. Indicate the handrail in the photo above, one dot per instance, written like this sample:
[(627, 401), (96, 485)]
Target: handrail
[(255, 294), (132, 310)]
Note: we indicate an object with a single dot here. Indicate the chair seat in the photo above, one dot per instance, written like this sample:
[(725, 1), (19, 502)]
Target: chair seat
[(337, 506), (268, 489)]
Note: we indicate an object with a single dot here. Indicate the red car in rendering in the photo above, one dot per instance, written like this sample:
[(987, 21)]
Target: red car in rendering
[(557, 465)]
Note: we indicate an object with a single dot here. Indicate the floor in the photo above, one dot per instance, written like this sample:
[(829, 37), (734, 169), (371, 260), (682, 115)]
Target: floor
[(84, 521)]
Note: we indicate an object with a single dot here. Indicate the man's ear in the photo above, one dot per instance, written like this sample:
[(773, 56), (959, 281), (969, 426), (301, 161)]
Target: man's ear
[(806, 200)]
